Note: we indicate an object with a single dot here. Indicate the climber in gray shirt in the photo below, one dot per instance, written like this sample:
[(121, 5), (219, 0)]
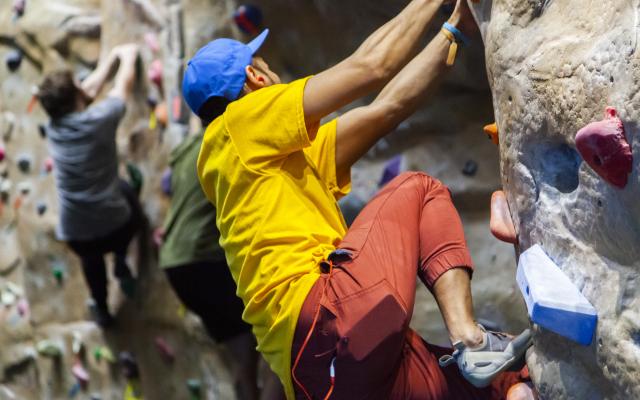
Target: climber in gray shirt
[(99, 212)]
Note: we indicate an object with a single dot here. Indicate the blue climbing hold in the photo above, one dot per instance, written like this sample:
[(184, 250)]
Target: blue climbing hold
[(13, 60), (165, 182), (248, 18), (553, 301)]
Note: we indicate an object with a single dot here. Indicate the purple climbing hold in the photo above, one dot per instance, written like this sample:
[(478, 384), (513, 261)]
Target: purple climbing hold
[(603, 145), (165, 183), (166, 351), (129, 365), (18, 7), (391, 169), (2, 153), (13, 60), (248, 18)]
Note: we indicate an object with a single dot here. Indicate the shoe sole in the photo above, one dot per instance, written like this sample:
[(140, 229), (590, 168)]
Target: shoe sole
[(519, 346)]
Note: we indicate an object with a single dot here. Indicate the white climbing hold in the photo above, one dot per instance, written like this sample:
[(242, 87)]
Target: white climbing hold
[(553, 301)]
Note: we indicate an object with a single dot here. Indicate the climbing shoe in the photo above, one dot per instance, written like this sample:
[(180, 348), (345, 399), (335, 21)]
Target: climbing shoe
[(497, 353)]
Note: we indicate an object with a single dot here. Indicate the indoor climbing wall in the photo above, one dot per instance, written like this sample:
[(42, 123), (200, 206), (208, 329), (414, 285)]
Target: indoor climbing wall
[(49, 348), (565, 81)]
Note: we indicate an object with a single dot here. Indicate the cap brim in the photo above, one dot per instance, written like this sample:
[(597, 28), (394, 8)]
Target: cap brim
[(256, 43)]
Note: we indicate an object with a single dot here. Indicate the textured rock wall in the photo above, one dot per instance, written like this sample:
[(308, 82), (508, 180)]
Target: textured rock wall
[(553, 67), (307, 36)]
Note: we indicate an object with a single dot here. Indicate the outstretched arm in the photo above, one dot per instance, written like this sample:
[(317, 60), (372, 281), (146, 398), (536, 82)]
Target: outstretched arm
[(92, 85), (361, 128), (123, 86), (375, 62)]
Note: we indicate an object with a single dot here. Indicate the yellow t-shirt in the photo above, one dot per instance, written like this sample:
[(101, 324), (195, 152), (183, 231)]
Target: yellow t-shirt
[(275, 195)]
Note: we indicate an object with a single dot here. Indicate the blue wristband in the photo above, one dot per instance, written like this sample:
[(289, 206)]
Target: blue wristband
[(460, 37)]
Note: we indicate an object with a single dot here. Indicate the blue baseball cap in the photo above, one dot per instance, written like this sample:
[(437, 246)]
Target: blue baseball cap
[(218, 69)]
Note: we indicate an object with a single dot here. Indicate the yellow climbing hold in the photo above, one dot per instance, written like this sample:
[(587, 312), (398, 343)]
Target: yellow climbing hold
[(492, 132), (133, 391)]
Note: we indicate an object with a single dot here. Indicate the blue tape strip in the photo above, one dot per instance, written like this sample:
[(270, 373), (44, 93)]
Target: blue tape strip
[(460, 37)]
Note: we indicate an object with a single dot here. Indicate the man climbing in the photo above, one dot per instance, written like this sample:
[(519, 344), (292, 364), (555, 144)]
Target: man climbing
[(99, 212), (331, 308), (197, 270)]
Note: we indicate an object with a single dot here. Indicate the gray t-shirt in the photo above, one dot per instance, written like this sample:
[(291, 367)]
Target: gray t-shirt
[(83, 147)]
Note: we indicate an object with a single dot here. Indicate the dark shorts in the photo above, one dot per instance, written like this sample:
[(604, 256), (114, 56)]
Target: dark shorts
[(207, 289), (118, 240)]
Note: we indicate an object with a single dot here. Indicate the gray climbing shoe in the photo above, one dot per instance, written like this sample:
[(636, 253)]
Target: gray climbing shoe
[(497, 353)]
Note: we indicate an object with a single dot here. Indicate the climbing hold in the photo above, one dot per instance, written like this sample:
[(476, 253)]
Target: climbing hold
[(151, 40), (129, 365), (248, 18), (603, 145), (470, 168), (75, 389), (23, 308), (11, 123), (195, 388), (176, 107), (103, 353), (34, 99), (43, 131), (553, 301), (24, 188), (391, 169), (41, 208), (96, 396), (491, 131), (133, 391), (155, 73), (162, 114), (58, 273), (18, 8), (13, 60), (8, 298), (165, 350), (17, 203), (2, 153), (24, 163), (136, 179), (5, 190), (77, 345), (80, 373), (165, 182), (49, 348), (501, 224), (48, 165)]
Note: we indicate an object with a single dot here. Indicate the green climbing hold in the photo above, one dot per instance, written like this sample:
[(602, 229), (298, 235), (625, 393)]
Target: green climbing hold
[(195, 388), (101, 352), (58, 273), (136, 180)]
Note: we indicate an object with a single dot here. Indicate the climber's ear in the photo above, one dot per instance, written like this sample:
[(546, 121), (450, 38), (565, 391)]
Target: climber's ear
[(255, 79)]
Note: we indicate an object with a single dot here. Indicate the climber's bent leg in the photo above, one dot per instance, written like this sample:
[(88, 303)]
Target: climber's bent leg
[(410, 228)]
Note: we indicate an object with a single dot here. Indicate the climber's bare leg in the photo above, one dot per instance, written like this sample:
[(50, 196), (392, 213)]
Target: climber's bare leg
[(453, 294)]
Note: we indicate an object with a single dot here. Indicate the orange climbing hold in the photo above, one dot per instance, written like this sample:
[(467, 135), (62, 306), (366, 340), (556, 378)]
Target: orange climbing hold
[(492, 132), (501, 224)]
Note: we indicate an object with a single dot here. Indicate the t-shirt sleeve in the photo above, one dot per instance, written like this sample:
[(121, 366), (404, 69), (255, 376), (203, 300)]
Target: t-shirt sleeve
[(108, 111), (267, 125), (323, 154)]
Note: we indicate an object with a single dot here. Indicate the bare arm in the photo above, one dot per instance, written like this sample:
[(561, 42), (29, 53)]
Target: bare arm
[(376, 61), (92, 85), (125, 78), (362, 127)]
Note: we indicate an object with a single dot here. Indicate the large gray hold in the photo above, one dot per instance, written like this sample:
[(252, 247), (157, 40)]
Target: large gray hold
[(553, 66)]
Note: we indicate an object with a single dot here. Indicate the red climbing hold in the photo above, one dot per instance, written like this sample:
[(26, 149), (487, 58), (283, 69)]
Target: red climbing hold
[(165, 350), (2, 153), (248, 18), (80, 373), (501, 224), (48, 165), (155, 73), (603, 145), (151, 39)]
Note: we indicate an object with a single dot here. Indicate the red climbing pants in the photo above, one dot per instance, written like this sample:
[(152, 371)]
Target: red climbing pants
[(411, 228)]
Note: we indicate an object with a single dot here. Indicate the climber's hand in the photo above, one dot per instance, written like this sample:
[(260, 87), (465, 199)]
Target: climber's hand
[(462, 18)]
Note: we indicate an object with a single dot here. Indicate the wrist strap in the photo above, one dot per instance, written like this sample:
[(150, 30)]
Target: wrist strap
[(460, 37), (454, 36)]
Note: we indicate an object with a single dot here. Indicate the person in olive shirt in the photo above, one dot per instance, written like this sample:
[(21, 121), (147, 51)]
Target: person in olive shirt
[(197, 270)]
